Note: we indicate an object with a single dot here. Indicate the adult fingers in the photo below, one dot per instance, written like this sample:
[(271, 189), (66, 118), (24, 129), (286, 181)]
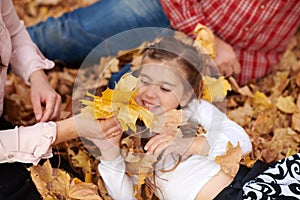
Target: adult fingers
[(37, 108), (106, 124), (57, 108), (52, 110), (225, 69), (236, 67)]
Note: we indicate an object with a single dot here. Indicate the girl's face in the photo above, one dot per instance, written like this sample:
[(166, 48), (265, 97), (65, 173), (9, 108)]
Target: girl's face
[(161, 87)]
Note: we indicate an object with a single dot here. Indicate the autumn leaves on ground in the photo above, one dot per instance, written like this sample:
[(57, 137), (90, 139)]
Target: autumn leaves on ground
[(268, 109)]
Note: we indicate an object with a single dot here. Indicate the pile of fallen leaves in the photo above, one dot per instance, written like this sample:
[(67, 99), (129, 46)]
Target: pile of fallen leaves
[(268, 109), (34, 11)]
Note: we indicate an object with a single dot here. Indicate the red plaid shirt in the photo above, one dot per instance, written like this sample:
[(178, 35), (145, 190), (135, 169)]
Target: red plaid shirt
[(258, 30)]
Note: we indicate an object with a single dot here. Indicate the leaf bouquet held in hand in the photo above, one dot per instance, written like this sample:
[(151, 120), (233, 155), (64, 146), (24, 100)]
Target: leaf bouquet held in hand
[(119, 102)]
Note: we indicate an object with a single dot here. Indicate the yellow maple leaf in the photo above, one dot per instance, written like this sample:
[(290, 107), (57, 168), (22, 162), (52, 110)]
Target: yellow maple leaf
[(261, 99), (248, 161), (286, 104), (120, 103), (206, 39), (215, 89)]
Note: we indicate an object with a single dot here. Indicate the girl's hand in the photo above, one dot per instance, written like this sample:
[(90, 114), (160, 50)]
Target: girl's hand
[(226, 59), (165, 144), (42, 93)]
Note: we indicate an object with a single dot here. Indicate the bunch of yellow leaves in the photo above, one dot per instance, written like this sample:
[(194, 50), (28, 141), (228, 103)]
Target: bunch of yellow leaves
[(120, 103), (214, 89)]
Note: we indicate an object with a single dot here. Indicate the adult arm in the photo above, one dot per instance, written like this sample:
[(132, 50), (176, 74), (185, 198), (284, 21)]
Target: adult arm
[(27, 144), (25, 60), (30, 144), (226, 59)]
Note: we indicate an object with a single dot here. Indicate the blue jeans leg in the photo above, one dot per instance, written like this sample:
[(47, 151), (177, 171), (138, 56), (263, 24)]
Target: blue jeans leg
[(73, 35)]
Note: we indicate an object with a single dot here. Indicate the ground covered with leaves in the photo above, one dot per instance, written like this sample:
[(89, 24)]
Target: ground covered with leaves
[(268, 109)]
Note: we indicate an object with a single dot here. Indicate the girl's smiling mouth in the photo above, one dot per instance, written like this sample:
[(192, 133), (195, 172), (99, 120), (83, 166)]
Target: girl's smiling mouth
[(150, 106)]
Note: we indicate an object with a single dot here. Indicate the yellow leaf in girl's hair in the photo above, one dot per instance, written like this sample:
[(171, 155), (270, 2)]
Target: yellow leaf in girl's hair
[(120, 103), (215, 89)]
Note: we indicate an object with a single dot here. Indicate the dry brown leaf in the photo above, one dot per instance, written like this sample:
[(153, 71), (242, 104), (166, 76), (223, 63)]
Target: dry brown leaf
[(264, 123), (241, 115), (82, 160), (55, 183), (102, 189), (296, 121), (269, 156), (41, 175), (170, 121), (230, 162), (81, 190)]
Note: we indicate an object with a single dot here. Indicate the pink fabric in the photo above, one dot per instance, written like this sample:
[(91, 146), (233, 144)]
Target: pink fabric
[(27, 144), (17, 48), (259, 30), (24, 144)]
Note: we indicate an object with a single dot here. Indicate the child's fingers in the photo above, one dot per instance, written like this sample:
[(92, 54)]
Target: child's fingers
[(158, 143), (152, 143)]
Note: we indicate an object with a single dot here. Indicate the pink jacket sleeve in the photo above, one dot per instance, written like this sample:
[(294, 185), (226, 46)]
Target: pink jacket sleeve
[(27, 144), (25, 57)]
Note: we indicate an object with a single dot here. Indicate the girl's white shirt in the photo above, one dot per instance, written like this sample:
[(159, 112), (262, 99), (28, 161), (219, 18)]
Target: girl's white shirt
[(186, 180)]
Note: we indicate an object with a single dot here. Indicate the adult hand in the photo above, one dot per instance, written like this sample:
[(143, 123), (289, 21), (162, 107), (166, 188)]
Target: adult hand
[(103, 129), (43, 93), (105, 134), (226, 59)]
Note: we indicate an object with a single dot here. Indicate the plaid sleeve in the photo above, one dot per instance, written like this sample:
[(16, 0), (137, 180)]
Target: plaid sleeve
[(258, 30), (185, 15)]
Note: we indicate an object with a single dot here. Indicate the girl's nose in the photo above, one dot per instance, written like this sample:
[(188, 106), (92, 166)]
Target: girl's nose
[(151, 90)]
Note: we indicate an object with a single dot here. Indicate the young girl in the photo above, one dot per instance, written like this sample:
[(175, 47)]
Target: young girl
[(169, 79)]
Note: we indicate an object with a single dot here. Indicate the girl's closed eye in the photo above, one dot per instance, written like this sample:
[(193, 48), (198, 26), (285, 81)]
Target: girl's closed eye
[(144, 81), (165, 88)]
